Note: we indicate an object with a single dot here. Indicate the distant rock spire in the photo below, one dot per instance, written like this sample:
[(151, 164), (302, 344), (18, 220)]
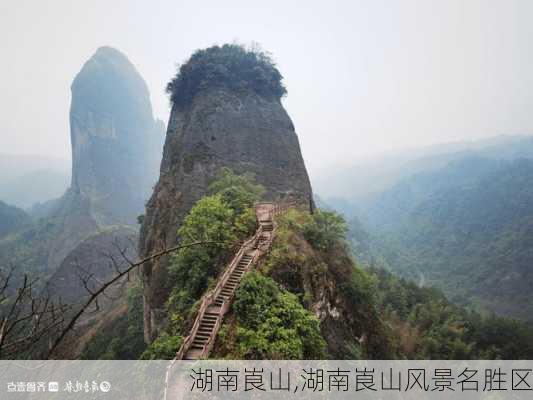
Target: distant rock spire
[(116, 143)]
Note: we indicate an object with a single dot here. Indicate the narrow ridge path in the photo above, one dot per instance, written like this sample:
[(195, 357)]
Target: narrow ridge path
[(216, 303)]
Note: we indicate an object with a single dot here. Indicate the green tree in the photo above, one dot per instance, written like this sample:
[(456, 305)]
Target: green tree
[(272, 324), (210, 220), (239, 191), (325, 229), (224, 217)]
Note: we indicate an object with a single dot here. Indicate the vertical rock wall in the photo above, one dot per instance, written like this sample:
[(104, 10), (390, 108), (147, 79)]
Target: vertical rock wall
[(219, 128)]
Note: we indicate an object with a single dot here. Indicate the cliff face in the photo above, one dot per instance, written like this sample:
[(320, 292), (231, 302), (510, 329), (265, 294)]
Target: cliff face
[(116, 147), (116, 144), (241, 130)]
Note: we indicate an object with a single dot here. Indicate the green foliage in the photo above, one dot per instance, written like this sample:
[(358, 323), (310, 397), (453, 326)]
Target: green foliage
[(123, 339), (224, 217), (427, 326), (210, 220), (230, 66), (272, 324), (326, 229), (238, 191), (163, 348), (359, 289), (28, 248), (322, 229), (466, 228), (306, 267)]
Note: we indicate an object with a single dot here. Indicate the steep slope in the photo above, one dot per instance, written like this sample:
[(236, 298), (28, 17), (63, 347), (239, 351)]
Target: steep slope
[(311, 265), (11, 219), (466, 229), (92, 262), (218, 123)]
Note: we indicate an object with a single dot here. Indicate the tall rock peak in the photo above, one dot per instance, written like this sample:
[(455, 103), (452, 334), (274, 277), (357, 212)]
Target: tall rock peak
[(115, 140), (226, 113)]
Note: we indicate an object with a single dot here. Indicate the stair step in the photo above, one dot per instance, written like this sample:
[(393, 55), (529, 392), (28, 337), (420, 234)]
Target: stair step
[(206, 329), (208, 321)]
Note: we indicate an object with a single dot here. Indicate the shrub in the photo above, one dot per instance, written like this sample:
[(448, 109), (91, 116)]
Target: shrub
[(272, 324), (163, 348), (325, 229), (231, 66), (225, 216)]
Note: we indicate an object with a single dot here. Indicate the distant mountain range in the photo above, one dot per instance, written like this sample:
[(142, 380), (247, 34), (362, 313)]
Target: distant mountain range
[(363, 180), (462, 221), (28, 179)]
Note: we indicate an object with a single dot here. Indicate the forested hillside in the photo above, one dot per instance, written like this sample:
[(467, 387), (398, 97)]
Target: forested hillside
[(11, 219), (467, 228)]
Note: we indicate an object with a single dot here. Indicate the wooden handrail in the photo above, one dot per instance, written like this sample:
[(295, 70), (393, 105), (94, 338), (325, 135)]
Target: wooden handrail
[(212, 294), (225, 276), (209, 297)]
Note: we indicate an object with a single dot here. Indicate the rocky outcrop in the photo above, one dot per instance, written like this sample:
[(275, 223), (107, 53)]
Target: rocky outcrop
[(116, 150), (219, 127), (116, 143)]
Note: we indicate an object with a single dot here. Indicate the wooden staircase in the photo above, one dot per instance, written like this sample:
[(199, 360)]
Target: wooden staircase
[(215, 304)]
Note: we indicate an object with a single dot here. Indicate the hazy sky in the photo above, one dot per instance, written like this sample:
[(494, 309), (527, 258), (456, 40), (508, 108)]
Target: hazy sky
[(363, 76)]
